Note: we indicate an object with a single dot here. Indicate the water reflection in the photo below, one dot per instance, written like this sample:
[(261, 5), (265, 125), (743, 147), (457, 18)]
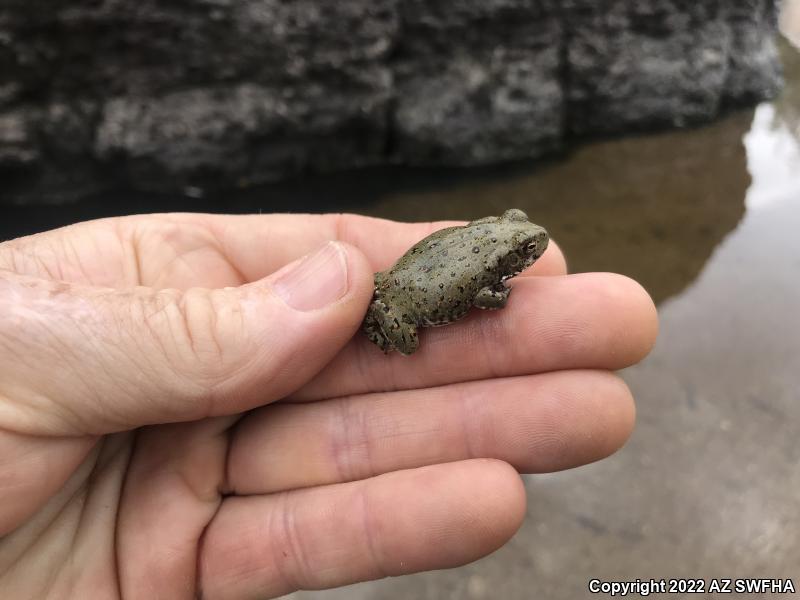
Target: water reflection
[(773, 143), (773, 157), (651, 207), (787, 105)]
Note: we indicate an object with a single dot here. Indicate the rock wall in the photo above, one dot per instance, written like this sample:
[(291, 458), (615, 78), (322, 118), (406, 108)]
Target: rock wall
[(209, 94)]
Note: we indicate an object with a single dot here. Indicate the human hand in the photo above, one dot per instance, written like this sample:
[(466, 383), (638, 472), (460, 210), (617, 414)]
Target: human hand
[(182, 414)]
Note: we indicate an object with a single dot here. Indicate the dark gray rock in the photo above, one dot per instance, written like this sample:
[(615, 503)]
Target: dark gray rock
[(640, 64), (477, 82), (197, 94), (636, 65), (752, 69)]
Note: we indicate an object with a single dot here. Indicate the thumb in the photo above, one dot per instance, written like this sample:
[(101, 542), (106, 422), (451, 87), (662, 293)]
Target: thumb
[(83, 360)]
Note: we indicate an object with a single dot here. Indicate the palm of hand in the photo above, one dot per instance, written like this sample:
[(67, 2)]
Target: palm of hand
[(355, 466)]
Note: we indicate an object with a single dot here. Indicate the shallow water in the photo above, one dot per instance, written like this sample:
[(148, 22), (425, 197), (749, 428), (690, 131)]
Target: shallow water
[(709, 484), (708, 220)]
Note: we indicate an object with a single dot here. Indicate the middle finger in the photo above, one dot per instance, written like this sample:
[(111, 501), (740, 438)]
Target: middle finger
[(585, 321)]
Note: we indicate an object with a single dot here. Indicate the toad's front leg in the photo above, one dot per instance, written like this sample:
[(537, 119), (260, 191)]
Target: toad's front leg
[(492, 298)]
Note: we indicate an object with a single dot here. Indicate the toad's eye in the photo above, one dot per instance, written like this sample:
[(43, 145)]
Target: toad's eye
[(531, 247)]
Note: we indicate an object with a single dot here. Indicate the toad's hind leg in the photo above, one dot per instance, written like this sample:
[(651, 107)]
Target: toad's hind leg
[(394, 331), (492, 298), (374, 333)]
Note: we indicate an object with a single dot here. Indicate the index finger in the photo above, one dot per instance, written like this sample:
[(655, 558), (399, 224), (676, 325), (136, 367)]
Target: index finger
[(254, 245), (260, 244)]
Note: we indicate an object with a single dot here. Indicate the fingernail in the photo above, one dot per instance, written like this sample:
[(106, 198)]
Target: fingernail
[(314, 281)]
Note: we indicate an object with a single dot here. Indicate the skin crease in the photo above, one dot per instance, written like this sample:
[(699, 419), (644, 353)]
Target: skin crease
[(185, 409)]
